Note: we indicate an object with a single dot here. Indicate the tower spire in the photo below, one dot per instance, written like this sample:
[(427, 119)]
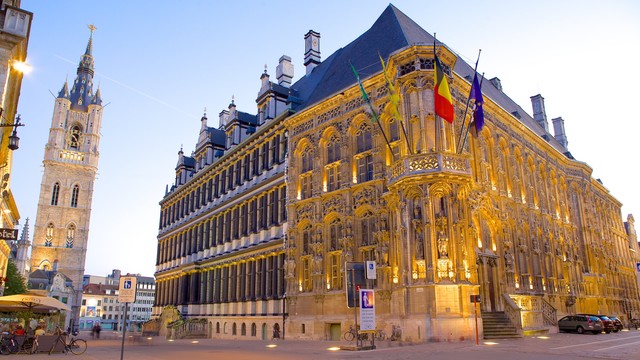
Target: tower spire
[(82, 90)]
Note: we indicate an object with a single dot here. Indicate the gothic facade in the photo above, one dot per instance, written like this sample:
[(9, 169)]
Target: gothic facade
[(61, 230), (507, 214)]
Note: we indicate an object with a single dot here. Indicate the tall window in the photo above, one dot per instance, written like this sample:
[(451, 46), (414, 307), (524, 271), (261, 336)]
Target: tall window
[(55, 193), (75, 137), (363, 138), (306, 275), (71, 234), (335, 279), (332, 177), (335, 233), (307, 159), (306, 240), (305, 186), (74, 196), (333, 149), (48, 237), (365, 168), (367, 228)]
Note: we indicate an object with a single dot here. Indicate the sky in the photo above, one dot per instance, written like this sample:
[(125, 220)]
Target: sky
[(160, 64)]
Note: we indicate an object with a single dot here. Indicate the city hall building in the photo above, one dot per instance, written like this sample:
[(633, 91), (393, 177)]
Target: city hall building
[(271, 211)]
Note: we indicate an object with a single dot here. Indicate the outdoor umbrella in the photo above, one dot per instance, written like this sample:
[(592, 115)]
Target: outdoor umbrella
[(30, 302)]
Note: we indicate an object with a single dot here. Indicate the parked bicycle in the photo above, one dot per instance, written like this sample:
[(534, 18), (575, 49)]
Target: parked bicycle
[(13, 344), (396, 333), (380, 335), (75, 346), (352, 334)]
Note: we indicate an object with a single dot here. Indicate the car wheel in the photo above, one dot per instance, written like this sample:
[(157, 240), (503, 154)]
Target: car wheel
[(616, 330), (580, 330), (607, 332)]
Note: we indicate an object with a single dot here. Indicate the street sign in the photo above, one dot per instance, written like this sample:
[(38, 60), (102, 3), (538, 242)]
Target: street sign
[(367, 310), (8, 234), (371, 269), (127, 289), (355, 281)]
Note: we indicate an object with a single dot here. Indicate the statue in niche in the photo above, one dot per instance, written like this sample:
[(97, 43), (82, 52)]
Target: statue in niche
[(290, 268), (317, 264), (383, 252), (508, 261), (419, 242), (547, 247), (417, 212), (443, 244), (383, 223)]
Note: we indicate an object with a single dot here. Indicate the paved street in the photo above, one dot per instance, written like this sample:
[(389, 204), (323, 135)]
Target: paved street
[(623, 345)]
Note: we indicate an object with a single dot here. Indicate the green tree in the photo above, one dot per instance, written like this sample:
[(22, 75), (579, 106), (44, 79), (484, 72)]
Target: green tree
[(14, 282)]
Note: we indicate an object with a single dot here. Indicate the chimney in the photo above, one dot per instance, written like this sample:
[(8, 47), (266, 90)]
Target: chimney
[(558, 130), (311, 50), (539, 113), (284, 71), (496, 83)]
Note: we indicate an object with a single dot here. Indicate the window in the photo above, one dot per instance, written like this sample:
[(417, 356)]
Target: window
[(74, 196), (55, 193), (335, 280), (305, 186), (71, 233), (306, 274), (48, 238), (365, 168), (333, 149), (363, 138), (307, 159), (394, 135), (335, 234), (332, 177), (367, 228), (75, 136)]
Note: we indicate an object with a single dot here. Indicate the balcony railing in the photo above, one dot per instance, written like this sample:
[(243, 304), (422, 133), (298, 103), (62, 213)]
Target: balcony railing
[(430, 163)]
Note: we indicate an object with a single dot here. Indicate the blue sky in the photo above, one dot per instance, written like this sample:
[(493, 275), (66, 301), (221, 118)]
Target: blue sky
[(159, 64)]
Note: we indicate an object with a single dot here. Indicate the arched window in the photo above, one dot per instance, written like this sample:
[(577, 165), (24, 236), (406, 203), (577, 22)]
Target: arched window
[(48, 238), (253, 329), (55, 193), (363, 138), (74, 196), (333, 149), (367, 228), (233, 329), (71, 234), (243, 329), (75, 137), (307, 159)]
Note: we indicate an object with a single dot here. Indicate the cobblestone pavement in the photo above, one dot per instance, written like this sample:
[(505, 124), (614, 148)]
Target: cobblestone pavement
[(623, 345)]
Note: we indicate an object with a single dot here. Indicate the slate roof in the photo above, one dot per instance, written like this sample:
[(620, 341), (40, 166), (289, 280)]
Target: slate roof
[(392, 31)]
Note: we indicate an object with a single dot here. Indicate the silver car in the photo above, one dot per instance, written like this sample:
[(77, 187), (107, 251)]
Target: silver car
[(580, 324)]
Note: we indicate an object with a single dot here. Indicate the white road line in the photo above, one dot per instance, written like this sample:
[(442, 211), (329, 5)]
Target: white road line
[(593, 343), (617, 346)]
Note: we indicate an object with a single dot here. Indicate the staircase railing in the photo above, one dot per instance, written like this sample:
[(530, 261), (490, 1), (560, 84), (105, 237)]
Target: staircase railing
[(549, 313), (513, 312)]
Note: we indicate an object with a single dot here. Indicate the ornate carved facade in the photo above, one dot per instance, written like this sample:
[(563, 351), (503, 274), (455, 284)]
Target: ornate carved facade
[(511, 217)]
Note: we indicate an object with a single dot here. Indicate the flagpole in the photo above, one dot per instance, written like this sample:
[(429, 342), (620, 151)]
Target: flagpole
[(464, 119), (373, 112), (400, 120), (466, 135)]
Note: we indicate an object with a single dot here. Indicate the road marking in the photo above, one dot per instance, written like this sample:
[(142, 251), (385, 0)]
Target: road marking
[(593, 343), (617, 346)]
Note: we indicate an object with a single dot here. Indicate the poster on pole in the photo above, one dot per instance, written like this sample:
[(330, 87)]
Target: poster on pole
[(367, 310)]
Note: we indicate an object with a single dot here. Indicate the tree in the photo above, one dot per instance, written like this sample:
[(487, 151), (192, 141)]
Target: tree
[(14, 282)]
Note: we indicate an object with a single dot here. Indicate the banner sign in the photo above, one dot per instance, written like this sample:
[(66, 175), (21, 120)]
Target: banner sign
[(367, 310)]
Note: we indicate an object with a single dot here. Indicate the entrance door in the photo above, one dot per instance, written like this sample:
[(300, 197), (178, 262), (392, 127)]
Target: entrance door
[(335, 332)]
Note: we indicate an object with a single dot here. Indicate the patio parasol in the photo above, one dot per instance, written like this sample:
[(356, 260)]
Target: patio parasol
[(30, 302)]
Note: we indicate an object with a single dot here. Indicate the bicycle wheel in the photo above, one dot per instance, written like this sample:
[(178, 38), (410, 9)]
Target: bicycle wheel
[(381, 335), (4, 350), (78, 346), (349, 336)]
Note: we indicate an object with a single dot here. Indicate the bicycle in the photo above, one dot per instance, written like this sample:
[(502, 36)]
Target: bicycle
[(352, 334), (75, 346), (380, 335)]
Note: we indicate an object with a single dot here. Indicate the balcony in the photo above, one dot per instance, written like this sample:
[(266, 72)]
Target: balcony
[(440, 163), (16, 21)]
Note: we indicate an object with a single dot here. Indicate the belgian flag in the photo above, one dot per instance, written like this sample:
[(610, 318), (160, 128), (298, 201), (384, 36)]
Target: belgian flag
[(442, 94)]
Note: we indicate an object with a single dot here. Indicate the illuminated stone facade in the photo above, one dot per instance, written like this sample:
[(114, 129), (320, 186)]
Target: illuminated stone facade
[(71, 155), (511, 217)]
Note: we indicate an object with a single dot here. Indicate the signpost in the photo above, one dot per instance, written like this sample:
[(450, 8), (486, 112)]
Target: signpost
[(475, 299), (126, 295)]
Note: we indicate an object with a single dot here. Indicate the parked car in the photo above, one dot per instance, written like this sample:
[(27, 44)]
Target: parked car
[(607, 324), (581, 323), (617, 323)]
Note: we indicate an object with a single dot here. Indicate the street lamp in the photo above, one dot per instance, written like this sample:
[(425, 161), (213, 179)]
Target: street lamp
[(14, 140)]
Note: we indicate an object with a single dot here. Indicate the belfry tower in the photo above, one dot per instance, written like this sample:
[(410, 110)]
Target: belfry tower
[(61, 231)]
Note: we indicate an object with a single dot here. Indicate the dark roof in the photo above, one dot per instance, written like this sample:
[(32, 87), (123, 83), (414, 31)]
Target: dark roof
[(391, 32)]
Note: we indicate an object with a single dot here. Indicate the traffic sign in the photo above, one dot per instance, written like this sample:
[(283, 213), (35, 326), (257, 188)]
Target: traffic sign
[(127, 289), (355, 281)]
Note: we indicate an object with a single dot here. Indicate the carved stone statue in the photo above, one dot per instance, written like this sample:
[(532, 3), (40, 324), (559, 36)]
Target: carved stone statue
[(443, 244)]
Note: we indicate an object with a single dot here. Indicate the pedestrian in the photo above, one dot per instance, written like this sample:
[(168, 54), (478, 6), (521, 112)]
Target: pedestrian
[(98, 329)]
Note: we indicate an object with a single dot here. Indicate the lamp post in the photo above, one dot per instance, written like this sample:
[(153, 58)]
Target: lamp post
[(14, 140)]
